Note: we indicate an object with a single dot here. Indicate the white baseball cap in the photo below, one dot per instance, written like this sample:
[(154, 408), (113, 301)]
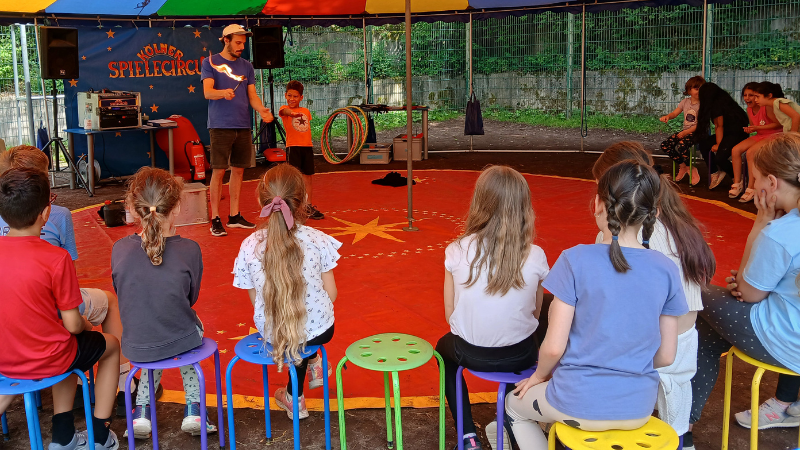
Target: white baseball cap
[(234, 29)]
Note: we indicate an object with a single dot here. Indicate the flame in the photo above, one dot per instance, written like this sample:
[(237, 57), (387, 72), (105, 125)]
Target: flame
[(224, 68)]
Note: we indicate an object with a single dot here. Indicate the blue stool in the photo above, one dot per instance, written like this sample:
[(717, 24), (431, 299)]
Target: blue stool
[(28, 388), (503, 378), (6, 436), (193, 357), (254, 350)]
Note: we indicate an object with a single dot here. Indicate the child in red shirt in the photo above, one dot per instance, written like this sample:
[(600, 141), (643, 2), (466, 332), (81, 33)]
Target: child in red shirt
[(37, 281)]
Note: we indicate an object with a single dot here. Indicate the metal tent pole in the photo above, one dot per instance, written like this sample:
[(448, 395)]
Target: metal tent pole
[(708, 40), (16, 83), (366, 65), (409, 130), (570, 52), (583, 77), (27, 74), (53, 130), (471, 86)]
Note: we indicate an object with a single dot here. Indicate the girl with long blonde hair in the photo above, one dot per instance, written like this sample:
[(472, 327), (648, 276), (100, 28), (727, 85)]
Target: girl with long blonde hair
[(492, 289), (157, 275), (287, 269)]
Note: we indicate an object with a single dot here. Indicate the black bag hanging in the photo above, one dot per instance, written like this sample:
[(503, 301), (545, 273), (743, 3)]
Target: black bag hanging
[(372, 137), (473, 122)]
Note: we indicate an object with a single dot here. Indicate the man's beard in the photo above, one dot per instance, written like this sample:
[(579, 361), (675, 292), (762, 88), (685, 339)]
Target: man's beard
[(229, 49)]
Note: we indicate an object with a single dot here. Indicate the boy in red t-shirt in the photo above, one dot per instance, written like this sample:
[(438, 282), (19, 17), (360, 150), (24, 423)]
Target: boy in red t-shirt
[(299, 148), (37, 281)]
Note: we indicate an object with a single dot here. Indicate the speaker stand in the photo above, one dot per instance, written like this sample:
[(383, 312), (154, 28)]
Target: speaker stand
[(56, 148)]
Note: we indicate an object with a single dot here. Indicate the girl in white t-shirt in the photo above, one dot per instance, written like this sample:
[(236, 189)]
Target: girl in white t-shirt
[(492, 289), (287, 269)]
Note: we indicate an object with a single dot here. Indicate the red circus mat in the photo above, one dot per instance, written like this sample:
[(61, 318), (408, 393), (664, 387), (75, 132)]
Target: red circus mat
[(388, 280)]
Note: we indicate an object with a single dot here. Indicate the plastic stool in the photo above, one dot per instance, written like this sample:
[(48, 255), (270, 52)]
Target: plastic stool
[(654, 435), (11, 386), (6, 436), (503, 378), (691, 162), (390, 352), (193, 357), (726, 414), (254, 350)]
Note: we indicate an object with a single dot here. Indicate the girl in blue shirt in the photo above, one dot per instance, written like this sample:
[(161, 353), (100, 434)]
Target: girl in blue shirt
[(613, 321), (760, 313)]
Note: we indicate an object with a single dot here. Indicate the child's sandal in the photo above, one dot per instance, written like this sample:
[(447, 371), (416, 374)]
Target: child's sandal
[(748, 195), (736, 190)]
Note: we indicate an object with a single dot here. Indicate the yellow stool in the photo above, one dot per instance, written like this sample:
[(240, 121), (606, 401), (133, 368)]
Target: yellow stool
[(726, 414), (654, 435)]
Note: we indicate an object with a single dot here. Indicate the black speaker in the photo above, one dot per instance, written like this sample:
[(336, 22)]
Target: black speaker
[(268, 47), (58, 48)]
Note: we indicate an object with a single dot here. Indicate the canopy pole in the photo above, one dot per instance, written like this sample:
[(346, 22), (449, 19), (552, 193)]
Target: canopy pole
[(52, 129), (584, 126), (469, 57), (409, 130), (366, 66), (705, 34), (27, 74), (16, 83)]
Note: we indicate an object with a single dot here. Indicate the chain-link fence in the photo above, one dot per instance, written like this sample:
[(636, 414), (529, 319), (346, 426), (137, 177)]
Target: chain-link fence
[(630, 62)]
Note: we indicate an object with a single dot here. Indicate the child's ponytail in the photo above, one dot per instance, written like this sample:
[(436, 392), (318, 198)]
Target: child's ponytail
[(629, 190), (152, 195), (282, 194)]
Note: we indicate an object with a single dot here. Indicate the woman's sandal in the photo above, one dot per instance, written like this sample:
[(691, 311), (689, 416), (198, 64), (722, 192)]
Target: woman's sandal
[(736, 190), (748, 195)]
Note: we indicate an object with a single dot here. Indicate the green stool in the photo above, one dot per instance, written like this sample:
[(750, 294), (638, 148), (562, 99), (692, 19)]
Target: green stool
[(390, 352)]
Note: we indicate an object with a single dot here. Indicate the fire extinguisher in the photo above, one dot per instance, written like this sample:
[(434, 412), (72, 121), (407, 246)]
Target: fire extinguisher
[(197, 162)]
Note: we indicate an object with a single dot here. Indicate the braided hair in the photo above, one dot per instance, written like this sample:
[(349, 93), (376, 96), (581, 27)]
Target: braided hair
[(630, 191)]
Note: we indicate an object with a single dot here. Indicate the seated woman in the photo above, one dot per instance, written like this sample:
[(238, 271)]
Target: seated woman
[(617, 304), (760, 314)]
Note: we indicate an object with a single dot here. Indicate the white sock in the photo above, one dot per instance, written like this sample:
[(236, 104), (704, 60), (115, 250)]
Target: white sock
[(124, 369)]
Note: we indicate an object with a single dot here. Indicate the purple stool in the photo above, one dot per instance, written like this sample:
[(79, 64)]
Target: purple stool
[(193, 357), (503, 378)]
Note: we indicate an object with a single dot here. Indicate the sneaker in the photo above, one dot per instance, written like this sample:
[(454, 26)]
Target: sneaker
[(716, 179), (191, 421), (770, 415), (314, 374), (112, 443), (238, 221), (284, 401), (695, 178), (749, 193), (121, 396), (471, 443), (491, 434), (142, 427), (78, 442), (794, 409), (216, 227), (682, 172), (313, 213)]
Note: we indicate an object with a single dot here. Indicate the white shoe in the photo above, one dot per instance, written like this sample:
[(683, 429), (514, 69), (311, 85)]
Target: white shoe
[(491, 435), (794, 409), (770, 415)]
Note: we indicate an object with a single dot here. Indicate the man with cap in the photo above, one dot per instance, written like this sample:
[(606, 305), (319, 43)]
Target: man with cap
[(229, 86)]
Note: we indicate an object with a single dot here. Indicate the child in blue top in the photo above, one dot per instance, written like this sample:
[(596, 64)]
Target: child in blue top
[(613, 321), (761, 312)]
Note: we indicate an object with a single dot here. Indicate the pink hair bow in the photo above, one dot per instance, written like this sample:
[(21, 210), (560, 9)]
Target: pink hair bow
[(278, 204)]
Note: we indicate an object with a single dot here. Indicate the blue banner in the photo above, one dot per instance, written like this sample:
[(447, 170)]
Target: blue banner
[(163, 64)]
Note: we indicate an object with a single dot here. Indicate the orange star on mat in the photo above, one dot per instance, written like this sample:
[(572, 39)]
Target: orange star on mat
[(154, 108), (110, 34), (223, 351), (118, 134), (241, 324), (83, 57), (221, 332), (109, 48), (159, 34), (197, 33), (191, 89), (151, 86), (73, 83), (239, 338), (361, 231)]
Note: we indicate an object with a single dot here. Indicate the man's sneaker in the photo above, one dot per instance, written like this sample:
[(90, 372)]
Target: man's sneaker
[(112, 443), (794, 409), (716, 179), (313, 213), (78, 442), (491, 434), (191, 421), (142, 427), (284, 401), (216, 227), (314, 374), (238, 221), (471, 443), (770, 415), (684, 170)]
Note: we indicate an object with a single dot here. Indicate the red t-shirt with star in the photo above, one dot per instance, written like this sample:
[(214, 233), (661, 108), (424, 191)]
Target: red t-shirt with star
[(36, 280), (298, 129)]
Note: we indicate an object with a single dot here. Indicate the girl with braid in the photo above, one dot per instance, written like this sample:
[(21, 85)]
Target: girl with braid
[(617, 303), (157, 274)]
